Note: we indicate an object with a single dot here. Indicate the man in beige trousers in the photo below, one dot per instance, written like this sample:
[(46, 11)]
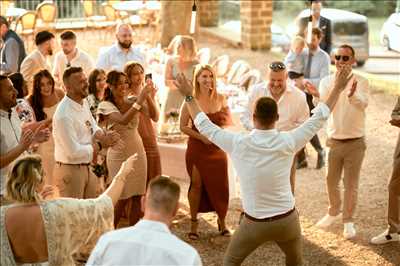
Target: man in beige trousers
[(346, 143), (393, 232), (77, 139)]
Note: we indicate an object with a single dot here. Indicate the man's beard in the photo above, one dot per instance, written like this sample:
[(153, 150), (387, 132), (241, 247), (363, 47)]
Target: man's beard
[(125, 45)]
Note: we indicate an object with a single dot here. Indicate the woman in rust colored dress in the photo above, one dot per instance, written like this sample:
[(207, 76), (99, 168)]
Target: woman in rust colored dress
[(206, 164), (135, 74)]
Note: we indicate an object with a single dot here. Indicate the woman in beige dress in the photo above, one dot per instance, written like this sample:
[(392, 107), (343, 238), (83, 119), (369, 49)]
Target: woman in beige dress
[(183, 61), (118, 113), (44, 100), (41, 229)]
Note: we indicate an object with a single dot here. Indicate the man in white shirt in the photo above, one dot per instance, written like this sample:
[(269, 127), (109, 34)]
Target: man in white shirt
[(115, 57), (263, 160), (149, 242), (38, 59), (346, 142), (292, 104), (13, 140), (77, 139), (70, 56)]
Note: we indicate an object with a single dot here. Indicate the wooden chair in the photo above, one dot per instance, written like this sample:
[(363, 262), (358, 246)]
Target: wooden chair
[(26, 27), (112, 17), (46, 15), (204, 55), (238, 69), (221, 66)]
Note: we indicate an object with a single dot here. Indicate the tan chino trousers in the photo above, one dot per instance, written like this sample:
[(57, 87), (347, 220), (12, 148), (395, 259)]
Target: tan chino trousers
[(75, 180), (344, 156), (394, 193)]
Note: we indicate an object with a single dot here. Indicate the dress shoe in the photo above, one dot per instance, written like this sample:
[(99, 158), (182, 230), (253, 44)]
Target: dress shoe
[(321, 159)]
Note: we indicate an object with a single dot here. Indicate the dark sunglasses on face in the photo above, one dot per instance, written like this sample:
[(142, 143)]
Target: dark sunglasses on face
[(275, 66), (345, 58)]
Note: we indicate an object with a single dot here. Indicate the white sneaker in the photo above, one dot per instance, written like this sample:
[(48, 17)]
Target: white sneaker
[(349, 231), (328, 220), (385, 237)]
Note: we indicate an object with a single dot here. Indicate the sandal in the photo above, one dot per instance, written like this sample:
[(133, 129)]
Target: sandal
[(193, 235), (224, 232)]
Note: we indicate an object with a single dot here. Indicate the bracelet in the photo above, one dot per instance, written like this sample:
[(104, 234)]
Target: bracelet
[(137, 106), (189, 98)]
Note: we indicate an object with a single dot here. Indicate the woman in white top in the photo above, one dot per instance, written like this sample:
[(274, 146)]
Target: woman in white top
[(183, 61), (39, 229), (44, 100)]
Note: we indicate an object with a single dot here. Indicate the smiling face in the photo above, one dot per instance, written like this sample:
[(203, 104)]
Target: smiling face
[(119, 89), (206, 80), (346, 58), (78, 85), (46, 87), (277, 81), (136, 76), (8, 94)]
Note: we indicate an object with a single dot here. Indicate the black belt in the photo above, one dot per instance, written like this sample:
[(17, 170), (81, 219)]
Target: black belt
[(78, 164), (269, 219)]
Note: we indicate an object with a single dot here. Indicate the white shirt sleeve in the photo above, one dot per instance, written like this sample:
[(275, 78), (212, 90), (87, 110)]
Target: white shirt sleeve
[(308, 129), (103, 62), (69, 140), (220, 137), (96, 256)]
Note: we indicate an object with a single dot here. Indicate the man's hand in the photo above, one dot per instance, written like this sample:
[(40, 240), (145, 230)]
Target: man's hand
[(395, 123), (49, 192), (342, 77), (42, 135), (183, 85), (352, 89), (27, 138), (311, 89)]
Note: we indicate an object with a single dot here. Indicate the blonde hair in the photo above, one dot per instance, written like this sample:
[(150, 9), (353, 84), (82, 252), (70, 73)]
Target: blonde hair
[(129, 67), (197, 71), (298, 40), (24, 178), (189, 47)]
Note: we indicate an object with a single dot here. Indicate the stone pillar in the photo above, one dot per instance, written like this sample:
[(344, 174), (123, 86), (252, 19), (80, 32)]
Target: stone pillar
[(208, 13), (175, 19), (256, 20)]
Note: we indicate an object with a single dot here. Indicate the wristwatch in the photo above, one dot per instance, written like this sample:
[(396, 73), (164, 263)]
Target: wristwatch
[(189, 98)]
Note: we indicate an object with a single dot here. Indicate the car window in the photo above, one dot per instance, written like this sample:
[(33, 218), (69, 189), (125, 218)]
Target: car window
[(349, 28)]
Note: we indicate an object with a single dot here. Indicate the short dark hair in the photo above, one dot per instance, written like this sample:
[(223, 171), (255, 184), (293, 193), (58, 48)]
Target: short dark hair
[(18, 82), (43, 36), (163, 194), (266, 110), (69, 71), (3, 20), (348, 46), (318, 32), (68, 35)]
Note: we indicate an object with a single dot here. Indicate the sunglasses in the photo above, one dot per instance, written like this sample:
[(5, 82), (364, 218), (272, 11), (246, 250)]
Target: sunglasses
[(276, 66), (345, 58)]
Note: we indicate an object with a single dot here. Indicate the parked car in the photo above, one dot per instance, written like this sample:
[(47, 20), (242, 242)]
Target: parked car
[(390, 33), (347, 28)]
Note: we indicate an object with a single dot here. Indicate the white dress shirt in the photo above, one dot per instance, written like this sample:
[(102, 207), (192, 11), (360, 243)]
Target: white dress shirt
[(115, 58), (32, 64), (10, 134), (347, 120), (73, 129), (292, 107), (263, 160), (146, 243), (81, 59)]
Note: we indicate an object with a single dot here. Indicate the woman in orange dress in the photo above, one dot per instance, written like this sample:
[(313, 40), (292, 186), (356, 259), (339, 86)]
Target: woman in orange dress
[(206, 163), (135, 73)]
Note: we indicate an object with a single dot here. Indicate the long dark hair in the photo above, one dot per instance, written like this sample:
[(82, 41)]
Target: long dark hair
[(35, 99), (112, 80), (93, 79), (18, 82)]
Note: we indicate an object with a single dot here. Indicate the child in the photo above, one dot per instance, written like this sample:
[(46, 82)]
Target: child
[(295, 59)]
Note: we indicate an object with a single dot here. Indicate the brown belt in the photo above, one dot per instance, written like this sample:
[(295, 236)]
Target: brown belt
[(346, 140), (269, 219), (77, 164)]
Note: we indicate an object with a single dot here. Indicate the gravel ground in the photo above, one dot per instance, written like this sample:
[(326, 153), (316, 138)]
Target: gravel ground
[(320, 247)]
